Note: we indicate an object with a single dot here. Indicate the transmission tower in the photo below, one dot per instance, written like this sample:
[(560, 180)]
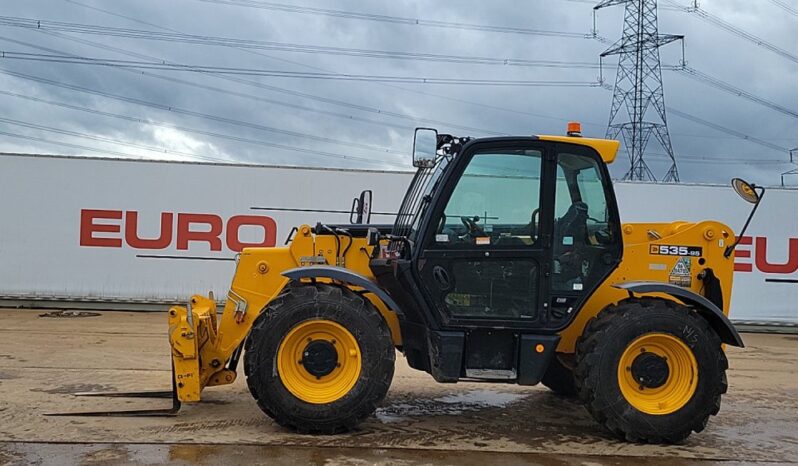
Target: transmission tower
[(638, 87), (793, 161)]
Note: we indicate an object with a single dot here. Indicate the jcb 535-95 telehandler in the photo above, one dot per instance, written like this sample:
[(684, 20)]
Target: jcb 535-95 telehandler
[(507, 263)]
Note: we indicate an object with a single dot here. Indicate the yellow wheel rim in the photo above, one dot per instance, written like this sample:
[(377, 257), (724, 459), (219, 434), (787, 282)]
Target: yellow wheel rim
[(658, 374), (319, 361)]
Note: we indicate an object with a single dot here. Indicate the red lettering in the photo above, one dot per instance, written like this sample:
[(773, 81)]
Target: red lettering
[(185, 234), (786, 268), (743, 253), (134, 241), (236, 222), (88, 228)]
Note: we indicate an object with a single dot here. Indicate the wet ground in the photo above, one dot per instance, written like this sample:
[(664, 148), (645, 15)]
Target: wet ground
[(44, 359)]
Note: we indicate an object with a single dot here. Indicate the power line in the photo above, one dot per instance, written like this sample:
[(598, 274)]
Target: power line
[(66, 144), (160, 149), (704, 159), (730, 132), (785, 7), (717, 127), (257, 97), (315, 97), (193, 113), (67, 59), (189, 130), (415, 91), (386, 85), (685, 70), (396, 19), (406, 55), (593, 2), (689, 157), (178, 110), (251, 97), (726, 130), (704, 78), (146, 147), (725, 25), (196, 39), (734, 133)]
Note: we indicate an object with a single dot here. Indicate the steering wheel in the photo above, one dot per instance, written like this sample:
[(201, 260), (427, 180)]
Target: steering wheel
[(470, 223)]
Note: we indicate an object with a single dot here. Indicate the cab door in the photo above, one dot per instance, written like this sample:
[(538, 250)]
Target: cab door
[(483, 261), (586, 237), (520, 236)]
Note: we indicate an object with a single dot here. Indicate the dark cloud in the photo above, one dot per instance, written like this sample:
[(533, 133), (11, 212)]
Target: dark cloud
[(511, 110)]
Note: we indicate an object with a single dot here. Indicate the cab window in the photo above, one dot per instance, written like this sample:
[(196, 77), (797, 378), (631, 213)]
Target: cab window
[(496, 202), (582, 224)]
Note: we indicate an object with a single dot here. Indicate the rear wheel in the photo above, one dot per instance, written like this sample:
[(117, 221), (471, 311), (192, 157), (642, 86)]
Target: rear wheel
[(319, 359), (651, 370)]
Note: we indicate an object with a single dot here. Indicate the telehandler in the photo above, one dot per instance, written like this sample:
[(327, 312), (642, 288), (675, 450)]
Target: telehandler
[(507, 263)]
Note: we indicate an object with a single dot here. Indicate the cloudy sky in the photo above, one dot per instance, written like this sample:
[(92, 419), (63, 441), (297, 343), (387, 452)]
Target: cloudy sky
[(69, 108)]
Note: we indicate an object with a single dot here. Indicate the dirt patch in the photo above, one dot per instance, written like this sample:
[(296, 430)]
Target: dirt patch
[(74, 388), (69, 314)]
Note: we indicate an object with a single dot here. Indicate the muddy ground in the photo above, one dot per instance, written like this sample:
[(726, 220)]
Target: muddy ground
[(44, 359)]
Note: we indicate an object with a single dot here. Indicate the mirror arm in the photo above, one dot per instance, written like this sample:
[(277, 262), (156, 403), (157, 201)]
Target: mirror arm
[(732, 246)]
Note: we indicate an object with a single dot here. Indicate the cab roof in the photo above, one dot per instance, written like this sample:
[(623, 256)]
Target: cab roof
[(607, 148)]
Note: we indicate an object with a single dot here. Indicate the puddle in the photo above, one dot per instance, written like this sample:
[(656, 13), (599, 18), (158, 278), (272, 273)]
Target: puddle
[(199, 454), (482, 398), (448, 405)]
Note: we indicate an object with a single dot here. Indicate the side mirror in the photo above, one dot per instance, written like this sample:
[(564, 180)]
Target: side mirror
[(745, 190), (750, 193), (361, 209), (425, 147)]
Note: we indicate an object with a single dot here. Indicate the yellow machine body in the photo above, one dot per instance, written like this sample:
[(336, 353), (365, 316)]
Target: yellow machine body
[(202, 346)]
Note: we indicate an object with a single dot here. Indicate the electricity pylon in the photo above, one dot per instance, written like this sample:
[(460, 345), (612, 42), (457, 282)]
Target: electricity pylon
[(638, 88)]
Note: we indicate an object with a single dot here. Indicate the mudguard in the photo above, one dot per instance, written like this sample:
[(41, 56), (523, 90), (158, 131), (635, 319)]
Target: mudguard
[(343, 275), (716, 318)]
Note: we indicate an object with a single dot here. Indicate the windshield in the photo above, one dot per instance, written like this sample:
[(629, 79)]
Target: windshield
[(417, 199)]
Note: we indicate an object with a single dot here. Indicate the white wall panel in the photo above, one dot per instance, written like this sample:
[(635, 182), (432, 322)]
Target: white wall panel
[(41, 199)]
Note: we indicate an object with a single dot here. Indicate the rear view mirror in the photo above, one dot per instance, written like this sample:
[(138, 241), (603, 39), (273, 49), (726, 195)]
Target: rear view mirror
[(425, 147), (750, 193), (361, 209), (745, 190)]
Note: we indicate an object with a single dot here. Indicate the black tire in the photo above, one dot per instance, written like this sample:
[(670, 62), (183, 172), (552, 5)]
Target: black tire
[(559, 378), (598, 354), (356, 314)]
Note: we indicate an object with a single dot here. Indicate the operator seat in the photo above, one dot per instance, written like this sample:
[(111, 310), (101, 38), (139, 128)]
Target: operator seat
[(570, 240), (573, 224)]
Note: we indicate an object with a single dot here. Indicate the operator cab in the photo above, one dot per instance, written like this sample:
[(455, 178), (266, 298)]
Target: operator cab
[(497, 237)]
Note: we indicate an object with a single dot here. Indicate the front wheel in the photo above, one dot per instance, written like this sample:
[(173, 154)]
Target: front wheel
[(651, 370), (319, 359)]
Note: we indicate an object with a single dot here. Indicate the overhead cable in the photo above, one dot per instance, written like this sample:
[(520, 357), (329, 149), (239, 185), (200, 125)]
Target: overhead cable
[(397, 19)]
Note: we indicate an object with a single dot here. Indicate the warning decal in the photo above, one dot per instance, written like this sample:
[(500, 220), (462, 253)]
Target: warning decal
[(680, 274)]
